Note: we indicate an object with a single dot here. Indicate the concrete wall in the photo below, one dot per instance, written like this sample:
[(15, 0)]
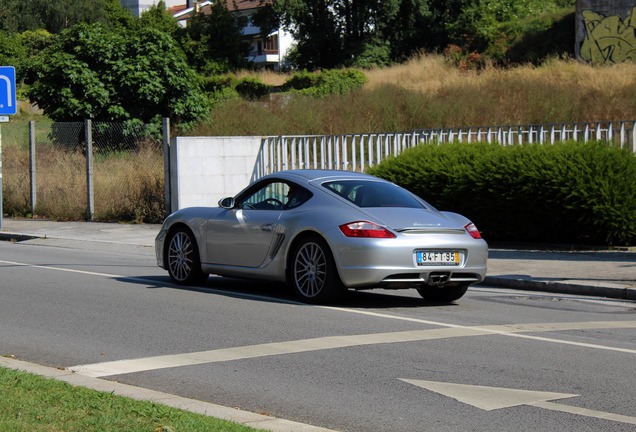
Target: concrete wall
[(605, 31), (205, 169)]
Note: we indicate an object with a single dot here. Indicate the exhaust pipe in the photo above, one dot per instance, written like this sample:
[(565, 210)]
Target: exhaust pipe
[(438, 278)]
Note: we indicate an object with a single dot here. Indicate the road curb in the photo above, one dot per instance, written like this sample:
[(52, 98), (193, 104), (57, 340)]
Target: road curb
[(624, 293), (8, 236), (247, 418)]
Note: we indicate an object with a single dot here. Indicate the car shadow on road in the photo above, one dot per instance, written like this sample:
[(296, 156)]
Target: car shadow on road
[(277, 292)]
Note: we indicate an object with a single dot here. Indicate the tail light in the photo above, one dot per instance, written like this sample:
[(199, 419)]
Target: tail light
[(473, 231), (365, 229)]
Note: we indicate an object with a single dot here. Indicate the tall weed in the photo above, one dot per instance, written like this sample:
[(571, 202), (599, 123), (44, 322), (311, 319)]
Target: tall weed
[(427, 92), (128, 187)]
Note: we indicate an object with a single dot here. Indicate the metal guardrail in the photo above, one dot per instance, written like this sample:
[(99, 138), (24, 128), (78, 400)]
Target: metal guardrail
[(361, 151)]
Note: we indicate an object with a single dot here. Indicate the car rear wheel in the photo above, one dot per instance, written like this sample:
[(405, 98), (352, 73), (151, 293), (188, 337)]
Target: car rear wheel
[(443, 293), (184, 264), (312, 273)]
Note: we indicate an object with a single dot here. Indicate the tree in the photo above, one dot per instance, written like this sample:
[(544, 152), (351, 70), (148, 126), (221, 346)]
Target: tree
[(490, 26), (17, 16), (33, 42), (93, 72), (12, 50), (408, 30), (157, 17), (332, 33), (214, 43)]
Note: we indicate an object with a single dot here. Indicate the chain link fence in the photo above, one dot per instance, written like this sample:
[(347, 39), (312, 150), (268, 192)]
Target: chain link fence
[(46, 171)]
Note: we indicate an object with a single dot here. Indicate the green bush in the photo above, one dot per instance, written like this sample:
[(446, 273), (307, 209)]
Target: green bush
[(569, 192), (301, 80), (328, 82), (252, 88), (219, 88)]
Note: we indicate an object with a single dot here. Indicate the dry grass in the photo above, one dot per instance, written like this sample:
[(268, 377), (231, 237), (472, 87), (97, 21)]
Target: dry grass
[(127, 186), (428, 92), (425, 74), (130, 186), (267, 77), (428, 74)]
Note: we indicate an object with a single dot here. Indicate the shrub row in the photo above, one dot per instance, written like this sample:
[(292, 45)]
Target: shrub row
[(570, 192), (328, 82), (316, 84), (219, 88)]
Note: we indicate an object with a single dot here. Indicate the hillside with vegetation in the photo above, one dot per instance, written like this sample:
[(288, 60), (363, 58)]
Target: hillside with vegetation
[(92, 59), (429, 91)]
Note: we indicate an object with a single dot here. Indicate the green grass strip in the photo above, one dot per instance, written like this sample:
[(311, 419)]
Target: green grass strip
[(34, 403)]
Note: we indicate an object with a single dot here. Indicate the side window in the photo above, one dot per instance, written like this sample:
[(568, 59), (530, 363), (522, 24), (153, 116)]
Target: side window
[(271, 196), (297, 196), (365, 193), (276, 195)]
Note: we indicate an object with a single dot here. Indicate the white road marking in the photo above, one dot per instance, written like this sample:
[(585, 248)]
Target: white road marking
[(492, 398), (290, 347), (488, 398), (61, 269), (119, 367), (89, 273), (586, 412)]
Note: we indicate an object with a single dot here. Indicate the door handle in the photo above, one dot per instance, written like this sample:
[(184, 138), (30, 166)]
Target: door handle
[(267, 227)]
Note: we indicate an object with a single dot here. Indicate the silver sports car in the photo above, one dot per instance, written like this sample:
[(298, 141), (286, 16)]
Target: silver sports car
[(324, 232)]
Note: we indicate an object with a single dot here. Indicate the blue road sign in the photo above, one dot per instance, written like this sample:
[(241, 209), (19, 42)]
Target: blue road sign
[(8, 103)]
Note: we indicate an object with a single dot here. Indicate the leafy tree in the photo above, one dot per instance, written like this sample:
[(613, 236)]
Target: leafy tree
[(12, 50), (117, 16), (157, 17), (408, 30), (92, 72), (490, 26), (17, 16), (33, 42), (214, 43), (332, 33)]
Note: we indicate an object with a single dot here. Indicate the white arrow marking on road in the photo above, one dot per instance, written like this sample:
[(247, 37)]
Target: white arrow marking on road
[(492, 398)]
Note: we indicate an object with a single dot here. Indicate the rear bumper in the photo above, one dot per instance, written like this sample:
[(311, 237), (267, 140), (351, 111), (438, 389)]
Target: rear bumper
[(390, 263)]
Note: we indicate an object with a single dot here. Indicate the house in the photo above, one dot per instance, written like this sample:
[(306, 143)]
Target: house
[(267, 51)]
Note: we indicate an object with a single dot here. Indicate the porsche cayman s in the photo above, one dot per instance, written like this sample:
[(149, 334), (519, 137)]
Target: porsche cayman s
[(324, 232)]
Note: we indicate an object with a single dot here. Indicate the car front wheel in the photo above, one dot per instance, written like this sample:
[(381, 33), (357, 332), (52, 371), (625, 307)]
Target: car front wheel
[(312, 274), (184, 264)]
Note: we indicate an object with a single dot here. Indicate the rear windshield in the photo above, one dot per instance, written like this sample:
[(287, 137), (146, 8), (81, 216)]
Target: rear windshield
[(364, 193)]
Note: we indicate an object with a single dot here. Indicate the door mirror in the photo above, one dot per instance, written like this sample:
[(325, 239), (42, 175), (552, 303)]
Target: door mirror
[(227, 203)]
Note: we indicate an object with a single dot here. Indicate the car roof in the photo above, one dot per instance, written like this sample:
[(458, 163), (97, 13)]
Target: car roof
[(309, 175)]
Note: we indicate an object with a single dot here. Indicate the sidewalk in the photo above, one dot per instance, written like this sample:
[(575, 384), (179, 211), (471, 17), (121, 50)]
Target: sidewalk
[(595, 273)]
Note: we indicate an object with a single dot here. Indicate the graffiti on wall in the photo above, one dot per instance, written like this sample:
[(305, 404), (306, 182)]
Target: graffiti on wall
[(609, 39)]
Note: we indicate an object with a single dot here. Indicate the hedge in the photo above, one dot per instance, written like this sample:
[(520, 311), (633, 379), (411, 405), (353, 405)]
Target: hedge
[(570, 192), (327, 82), (220, 88)]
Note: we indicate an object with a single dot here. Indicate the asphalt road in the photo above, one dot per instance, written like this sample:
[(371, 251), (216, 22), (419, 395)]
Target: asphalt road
[(378, 361)]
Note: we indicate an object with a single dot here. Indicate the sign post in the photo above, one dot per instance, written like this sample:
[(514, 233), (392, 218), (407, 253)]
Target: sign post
[(8, 106)]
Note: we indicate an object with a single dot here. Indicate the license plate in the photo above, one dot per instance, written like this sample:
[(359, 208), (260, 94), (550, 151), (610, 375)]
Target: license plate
[(437, 258)]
